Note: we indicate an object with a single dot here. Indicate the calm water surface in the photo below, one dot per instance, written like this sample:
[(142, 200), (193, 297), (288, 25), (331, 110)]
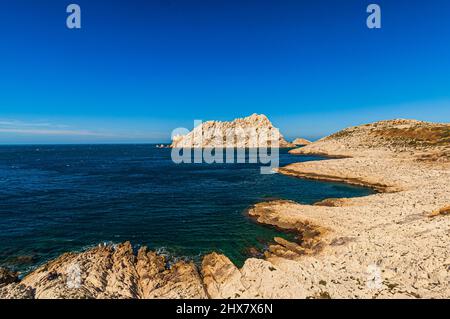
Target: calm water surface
[(55, 199)]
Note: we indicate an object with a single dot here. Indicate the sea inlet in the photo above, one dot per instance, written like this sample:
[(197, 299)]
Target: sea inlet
[(60, 198)]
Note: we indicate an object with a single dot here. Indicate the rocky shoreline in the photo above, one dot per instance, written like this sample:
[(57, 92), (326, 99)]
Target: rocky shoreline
[(392, 244)]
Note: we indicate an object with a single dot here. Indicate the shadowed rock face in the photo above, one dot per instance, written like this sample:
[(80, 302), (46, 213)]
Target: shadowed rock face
[(10, 288), (7, 277), (308, 234), (248, 132), (109, 272)]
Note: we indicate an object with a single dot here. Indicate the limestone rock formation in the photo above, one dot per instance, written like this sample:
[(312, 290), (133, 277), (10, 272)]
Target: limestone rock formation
[(301, 141), (7, 277), (16, 291), (249, 132), (308, 233), (109, 271), (423, 140), (221, 277)]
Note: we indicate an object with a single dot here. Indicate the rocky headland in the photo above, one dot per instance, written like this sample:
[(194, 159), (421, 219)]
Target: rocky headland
[(392, 244)]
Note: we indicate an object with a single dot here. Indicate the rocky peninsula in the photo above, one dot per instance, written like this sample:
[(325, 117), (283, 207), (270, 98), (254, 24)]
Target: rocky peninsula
[(392, 244)]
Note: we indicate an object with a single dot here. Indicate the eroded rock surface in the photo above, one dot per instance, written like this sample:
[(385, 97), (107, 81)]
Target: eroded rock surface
[(415, 139), (301, 141), (7, 277), (109, 271), (249, 132)]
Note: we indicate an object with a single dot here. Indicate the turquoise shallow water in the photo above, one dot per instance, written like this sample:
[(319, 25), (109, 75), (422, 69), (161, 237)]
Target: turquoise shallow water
[(55, 199)]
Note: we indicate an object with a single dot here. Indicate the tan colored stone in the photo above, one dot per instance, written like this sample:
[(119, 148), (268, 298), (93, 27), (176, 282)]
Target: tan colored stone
[(7, 277), (301, 141), (221, 277), (114, 271), (249, 132)]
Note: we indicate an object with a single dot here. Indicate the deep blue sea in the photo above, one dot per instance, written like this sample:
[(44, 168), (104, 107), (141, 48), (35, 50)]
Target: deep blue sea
[(55, 199)]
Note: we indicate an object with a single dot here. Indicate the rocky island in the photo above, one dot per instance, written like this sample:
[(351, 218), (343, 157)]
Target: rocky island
[(255, 130), (392, 244), (301, 141)]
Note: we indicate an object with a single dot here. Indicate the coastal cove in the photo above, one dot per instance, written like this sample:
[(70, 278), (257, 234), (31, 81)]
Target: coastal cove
[(57, 199)]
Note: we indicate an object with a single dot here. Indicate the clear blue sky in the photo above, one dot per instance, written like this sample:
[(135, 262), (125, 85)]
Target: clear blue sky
[(138, 69)]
